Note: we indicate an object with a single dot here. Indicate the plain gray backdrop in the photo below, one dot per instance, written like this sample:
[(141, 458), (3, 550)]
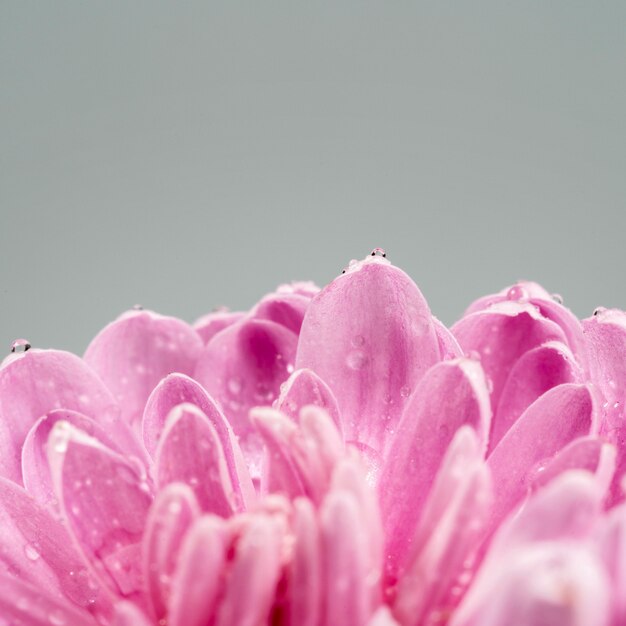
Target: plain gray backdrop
[(193, 154)]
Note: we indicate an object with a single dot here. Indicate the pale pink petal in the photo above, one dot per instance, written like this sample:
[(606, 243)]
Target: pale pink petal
[(383, 617), (191, 452), (38, 381), (243, 367), (305, 568), (177, 389), (198, 576), (535, 372), (28, 604), (171, 515), (555, 419), (305, 288), (500, 335), (209, 325), (370, 336), (611, 546), (283, 308), (133, 353), (128, 614), (105, 501), (451, 394), (254, 575), (448, 345), (305, 387)]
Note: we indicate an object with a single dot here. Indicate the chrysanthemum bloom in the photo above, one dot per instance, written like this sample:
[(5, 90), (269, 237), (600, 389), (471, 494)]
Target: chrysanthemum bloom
[(333, 457)]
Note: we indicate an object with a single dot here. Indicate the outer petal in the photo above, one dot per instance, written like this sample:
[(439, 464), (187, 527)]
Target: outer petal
[(38, 381), (536, 371), (449, 347), (243, 367), (133, 353), (198, 576), (209, 325), (549, 424), (450, 395), (191, 452), (105, 509), (177, 389), (286, 309), (611, 542), (501, 335), (171, 515), (370, 336)]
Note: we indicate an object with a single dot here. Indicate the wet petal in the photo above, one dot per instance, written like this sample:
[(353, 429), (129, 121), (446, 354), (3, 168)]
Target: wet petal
[(451, 394), (448, 345), (191, 452), (198, 576), (38, 381), (209, 325), (133, 353), (286, 309), (243, 367), (173, 512), (370, 336), (382, 617)]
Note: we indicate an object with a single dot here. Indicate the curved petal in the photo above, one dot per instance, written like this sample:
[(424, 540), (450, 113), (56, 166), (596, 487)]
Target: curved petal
[(191, 452), (501, 335), (449, 347), (173, 512), (133, 353), (451, 394), (286, 309), (209, 325), (370, 336), (178, 389), (535, 372), (105, 508), (38, 381), (243, 367), (611, 545), (127, 614), (198, 575)]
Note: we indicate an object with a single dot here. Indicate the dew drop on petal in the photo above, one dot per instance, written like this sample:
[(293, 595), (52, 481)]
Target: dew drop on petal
[(31, 552), (358, 341), (517, 293), (598, 310), (379, 252), (137, 307), (405, 391), (20, 345), (356, 359), (234, 386), (558, 298)]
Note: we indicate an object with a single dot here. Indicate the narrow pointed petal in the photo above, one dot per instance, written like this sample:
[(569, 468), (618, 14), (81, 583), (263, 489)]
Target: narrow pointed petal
[(38, 381), (501, 335), (177, 389), (305, 387), (254, 575), (370, 336), (191, 452), (243, 367), (35, 468), (305, 568), (451, 394), (28, 604), (133, 353), (449, 347), (105, 508), (198, 575), (127, 614), (173, 512), (535, 372), (559, 416), (286, 309), (209, 325)]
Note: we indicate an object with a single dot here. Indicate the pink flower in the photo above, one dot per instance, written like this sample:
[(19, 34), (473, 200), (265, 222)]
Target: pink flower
[(329, 457)]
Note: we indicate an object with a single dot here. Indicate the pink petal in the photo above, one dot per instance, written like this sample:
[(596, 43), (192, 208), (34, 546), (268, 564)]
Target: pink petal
[(254, 575), (500, 335), (305, 288), (243, 367), (198, 576), (555, 419), (27, 604), (448, 345), (209, 325), (451, 394), (36, 547), (611, 543), (535, 372), (304, 574), (127, 614), (38, 381), (171, 515), (370, 336), (177, 389), (133, 353), (35, 467), (191, 452), (283, 308), (305, 387), (105, 502), (382, 617)]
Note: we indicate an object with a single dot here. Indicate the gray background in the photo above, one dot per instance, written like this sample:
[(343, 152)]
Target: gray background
[(187, 155)]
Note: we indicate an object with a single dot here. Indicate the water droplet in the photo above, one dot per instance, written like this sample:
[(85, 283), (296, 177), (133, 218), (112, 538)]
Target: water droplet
[(234, 386), (57, 617), (517, 293), (558, 298), (358, 341), (405, 391), (20, 345), (356, 359), (289, 368), (137, 307), (31, 552), (379, 252), (598, 310)]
